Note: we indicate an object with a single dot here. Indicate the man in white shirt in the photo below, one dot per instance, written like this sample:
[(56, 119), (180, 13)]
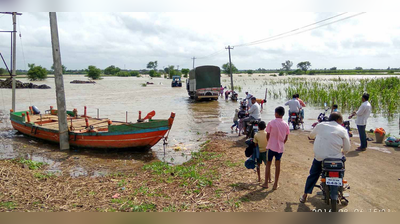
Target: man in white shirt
[(362, 113), (294, 106), (248, 99), (254, 113), (330, 138)]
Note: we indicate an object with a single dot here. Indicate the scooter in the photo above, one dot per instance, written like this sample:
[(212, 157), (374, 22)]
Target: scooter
[(332, 182)]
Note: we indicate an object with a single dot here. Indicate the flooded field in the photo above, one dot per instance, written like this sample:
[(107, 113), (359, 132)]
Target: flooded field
[(113, 96)]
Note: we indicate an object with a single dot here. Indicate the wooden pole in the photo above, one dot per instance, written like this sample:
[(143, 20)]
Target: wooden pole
[(14, 57), (58, 77), (230, 66)]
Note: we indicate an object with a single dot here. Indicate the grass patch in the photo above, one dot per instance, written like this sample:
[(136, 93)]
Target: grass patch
[(130, 205), (42, 176), (170, 208), (8, 205), (33, 165)]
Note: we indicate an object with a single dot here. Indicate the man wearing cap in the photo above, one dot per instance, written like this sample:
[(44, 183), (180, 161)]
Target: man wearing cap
[(254, 113)]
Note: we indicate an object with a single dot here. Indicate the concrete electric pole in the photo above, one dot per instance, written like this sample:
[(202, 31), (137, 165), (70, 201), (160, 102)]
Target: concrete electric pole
[(58, 76)]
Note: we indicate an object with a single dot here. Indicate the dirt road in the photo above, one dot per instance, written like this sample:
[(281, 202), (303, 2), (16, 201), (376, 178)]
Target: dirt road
[(373, 175), (214, 180)]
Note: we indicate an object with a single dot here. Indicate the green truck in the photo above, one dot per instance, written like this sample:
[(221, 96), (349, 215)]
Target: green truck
[(204, 82)]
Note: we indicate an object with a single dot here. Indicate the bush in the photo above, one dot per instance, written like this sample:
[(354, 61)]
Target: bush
[(298, 72), (2, 71), (249, 71), (134, 73), (36, 72), (281, 74), (123, 74), (273, 75), (93, 72), (153, 73), (390, 72), (311, 72)]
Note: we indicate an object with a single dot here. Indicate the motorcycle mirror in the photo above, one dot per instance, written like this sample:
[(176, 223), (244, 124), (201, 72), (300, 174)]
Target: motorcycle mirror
[(324, 104)]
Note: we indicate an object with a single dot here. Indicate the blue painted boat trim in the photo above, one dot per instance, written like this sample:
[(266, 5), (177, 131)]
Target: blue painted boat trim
[(99, 133)]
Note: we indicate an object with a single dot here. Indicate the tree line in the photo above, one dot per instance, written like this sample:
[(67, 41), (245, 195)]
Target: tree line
[(40, 73)]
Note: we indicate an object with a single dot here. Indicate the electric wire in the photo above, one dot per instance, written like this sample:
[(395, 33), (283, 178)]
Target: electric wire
[(326, 24), (253, 42)]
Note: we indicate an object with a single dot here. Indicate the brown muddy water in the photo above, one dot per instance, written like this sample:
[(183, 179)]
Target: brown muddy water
[(113, 96)]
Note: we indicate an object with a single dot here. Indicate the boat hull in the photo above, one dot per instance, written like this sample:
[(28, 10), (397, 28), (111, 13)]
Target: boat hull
[(141, 135)]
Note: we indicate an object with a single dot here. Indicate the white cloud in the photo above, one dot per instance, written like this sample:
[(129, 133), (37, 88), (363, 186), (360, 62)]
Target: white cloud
[(133, 39)]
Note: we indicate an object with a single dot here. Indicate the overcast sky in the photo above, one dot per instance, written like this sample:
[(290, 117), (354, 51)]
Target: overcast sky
[(131, 40)]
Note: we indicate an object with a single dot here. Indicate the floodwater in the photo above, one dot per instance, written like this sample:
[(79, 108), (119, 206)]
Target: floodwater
[(113, 96)]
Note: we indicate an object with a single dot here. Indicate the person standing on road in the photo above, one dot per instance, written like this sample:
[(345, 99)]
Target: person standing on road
[(362, 113), (294, 106), (277, 135), (330, 137)]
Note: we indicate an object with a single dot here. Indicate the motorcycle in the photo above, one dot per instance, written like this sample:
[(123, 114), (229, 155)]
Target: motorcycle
[(322, 118), (252, 128), (332, 182), (295, 120)]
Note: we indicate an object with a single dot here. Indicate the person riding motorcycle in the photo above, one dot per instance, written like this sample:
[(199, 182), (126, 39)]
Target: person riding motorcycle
[(330, 138), (254, 113), (294, 106), (302, 104)]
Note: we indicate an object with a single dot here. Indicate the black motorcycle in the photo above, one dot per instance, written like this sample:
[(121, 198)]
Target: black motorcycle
[(322, 118), (252, 128), (332, 182)]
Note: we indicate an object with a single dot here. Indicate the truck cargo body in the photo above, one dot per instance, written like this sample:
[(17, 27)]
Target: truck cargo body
[(204, 82)]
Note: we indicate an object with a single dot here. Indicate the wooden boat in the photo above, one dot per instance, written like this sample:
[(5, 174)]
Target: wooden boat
[(88, 132)]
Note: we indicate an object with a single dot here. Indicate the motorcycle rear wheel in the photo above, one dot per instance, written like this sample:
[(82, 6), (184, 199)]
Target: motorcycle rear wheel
[(334, 205)]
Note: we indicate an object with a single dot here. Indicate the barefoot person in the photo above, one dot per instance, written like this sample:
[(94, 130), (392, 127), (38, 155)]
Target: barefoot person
[(260, 139), (362, 116), (277, 135), (330, 138)]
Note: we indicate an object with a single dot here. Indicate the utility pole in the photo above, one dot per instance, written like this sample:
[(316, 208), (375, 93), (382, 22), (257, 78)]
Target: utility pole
[(58, 77), (13, 53), (230, 65), (14, 58), (193, 61)]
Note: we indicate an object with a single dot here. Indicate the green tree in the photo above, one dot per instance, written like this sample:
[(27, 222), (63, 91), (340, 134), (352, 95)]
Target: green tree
[(226, 69), (93, 72), (333, 69), (36, 72), (64, 69), (185, 72), (304, 65), (153, 73), (152, 65), (250, 72), (2, 71), (111, 70), (359, 68), (287, 65)]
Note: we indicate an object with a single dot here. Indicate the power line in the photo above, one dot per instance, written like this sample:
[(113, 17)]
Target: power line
[(297, 29), (212, 55), (326, 24)]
